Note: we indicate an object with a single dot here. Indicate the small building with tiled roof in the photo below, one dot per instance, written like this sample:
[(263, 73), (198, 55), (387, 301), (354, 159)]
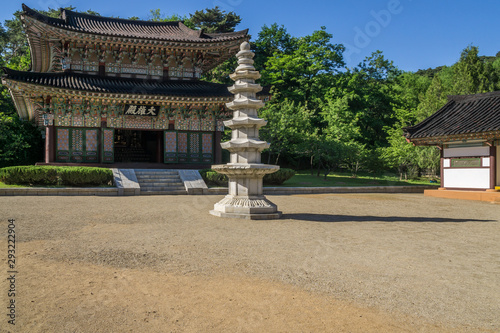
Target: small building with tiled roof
[(467, 129), (103, 88)]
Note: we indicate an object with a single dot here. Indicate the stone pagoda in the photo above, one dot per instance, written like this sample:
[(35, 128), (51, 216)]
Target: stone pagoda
[(245, 171)]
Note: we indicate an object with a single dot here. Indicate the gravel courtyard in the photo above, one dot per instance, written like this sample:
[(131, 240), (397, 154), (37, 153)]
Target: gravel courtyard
[(333, 263)]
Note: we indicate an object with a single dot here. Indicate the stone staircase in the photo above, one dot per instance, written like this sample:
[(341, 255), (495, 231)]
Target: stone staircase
[(159, 182)]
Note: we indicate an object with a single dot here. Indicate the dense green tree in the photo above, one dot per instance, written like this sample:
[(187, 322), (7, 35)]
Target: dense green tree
[(272, 41), (215, 20), (359, 106), (20, 141), (288, 123), (304, 73), (472, 74)]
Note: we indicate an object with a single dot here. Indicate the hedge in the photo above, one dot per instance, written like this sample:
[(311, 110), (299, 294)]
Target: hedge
[(83, 176), (52, 175), (279, 177), (214, 178)]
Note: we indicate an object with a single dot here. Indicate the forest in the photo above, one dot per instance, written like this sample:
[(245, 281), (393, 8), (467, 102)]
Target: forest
[(322, 115)]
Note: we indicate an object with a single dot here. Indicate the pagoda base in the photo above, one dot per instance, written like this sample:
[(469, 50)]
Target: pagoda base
[(250, 208)]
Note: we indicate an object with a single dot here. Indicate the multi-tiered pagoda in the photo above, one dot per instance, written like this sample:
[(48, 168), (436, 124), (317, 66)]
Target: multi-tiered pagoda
[(113, 90)]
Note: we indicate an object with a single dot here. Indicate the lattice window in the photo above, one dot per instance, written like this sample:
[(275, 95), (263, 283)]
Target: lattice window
[(188, 147), (108, 145), (76, 145)]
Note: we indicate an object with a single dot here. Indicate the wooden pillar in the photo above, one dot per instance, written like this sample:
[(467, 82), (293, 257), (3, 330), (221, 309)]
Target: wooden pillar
[(441, 169), (49, 144), (100, 148), (218, 149), (493, 166)]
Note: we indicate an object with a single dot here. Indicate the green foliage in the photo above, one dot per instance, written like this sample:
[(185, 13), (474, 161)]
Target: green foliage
[(214, 20), (29, 175), (472, 74), (287, 125), (85, 176), (213, 178), (359, 106), (20, 141), (278, 177), (273, 40), (220, 74), (51, 175), (302, 71), (157, 16)]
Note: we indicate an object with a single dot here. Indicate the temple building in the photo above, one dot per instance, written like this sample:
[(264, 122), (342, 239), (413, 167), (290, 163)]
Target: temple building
[(109, 90), (467, 130)]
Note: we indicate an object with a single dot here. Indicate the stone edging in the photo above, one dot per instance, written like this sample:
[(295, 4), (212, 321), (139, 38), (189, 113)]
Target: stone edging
[(319, 190), (114, 191), (66, 191)]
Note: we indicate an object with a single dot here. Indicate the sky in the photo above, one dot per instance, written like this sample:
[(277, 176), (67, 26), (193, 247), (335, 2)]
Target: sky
[(415, 34)]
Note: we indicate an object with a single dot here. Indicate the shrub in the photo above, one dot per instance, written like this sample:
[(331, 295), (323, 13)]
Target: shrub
[(51, 175), (29, 175), (85, 176), (213, 178), (279, 177)]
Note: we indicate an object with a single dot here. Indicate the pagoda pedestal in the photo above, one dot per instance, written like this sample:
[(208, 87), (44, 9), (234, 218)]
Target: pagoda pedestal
[(245, 172)]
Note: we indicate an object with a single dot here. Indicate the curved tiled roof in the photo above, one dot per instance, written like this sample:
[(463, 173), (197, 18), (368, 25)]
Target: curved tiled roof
[(93, 83), (168, 31), (464, 114)]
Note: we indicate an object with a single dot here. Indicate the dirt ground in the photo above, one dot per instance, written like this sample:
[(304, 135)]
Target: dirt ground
[(333, 263)]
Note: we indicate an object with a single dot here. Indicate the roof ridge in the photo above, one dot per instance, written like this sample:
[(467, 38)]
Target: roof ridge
[(107, 18), (464, 98), (39, 16)]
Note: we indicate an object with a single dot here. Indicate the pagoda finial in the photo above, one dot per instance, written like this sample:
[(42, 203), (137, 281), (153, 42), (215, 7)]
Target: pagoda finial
[(245, 46)]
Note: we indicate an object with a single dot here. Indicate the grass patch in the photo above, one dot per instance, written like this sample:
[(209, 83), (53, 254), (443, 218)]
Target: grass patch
[(304, 179), (3, 185)]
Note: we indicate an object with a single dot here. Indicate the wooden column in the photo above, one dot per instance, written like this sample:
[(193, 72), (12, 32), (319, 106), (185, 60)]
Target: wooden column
[(218, 149), (441, 169), (493, 166), (100, 148), (49, 144)]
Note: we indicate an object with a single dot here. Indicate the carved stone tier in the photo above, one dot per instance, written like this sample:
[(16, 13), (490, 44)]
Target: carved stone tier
[(245, 172)]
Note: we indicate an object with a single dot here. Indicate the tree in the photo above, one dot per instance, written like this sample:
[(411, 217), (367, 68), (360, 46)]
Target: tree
[(288, 122), (214, 20), (472, 74), (354, 157), (157, 16), (359, 106), (271, 41), (303, 73), (20, 141)]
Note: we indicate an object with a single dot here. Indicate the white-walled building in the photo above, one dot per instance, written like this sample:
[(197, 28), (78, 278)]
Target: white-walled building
[(467, 130)]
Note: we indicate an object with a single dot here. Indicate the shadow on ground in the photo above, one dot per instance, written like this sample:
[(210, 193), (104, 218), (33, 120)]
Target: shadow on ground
[(353, 218)]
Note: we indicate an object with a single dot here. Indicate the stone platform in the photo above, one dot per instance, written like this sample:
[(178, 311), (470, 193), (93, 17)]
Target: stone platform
[(493, 196)]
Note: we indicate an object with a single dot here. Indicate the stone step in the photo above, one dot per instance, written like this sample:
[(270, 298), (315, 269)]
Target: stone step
[(159, 178), (160, 181), (177, 192), (180, 184), (156, 173), (163, 188), (156, 177)]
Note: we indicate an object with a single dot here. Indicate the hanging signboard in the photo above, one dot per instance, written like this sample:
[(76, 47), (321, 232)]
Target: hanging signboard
[(141, 110), (465, 162)]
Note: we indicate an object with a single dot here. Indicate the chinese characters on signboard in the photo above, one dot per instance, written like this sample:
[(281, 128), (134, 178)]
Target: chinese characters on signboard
[(141, 110)]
